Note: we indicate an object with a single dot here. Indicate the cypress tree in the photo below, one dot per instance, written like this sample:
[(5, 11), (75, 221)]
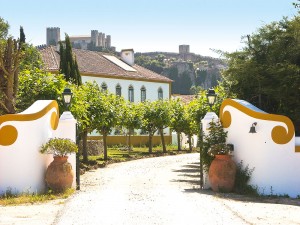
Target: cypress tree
[(22, 35), (76, 71), (62, 58), (68, 63), (22, 39)]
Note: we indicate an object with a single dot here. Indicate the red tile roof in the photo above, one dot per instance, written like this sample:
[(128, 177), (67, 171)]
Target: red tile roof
[(92, 63), (184, 98)]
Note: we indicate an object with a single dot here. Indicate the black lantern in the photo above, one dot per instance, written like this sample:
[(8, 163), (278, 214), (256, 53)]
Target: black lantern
[(252, 128), (67, 97), (211, 97)]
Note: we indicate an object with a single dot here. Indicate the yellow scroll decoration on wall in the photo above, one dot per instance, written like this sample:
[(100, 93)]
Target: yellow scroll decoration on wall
[(9, 133), (280, 135)]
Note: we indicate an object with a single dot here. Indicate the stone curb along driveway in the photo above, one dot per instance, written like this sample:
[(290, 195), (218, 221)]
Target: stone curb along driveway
[(160, 191)]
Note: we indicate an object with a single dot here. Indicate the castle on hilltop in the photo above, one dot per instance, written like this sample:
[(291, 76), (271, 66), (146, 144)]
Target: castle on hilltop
[(52, 36), (96, 39)]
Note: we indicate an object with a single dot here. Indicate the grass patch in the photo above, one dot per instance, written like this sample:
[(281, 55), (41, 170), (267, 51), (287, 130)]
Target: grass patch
[(122, 154), (16, 199)]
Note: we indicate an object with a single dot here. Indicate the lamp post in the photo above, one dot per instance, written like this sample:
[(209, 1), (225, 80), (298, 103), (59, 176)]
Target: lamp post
[(67, 97), (67, 115), (211, 99)]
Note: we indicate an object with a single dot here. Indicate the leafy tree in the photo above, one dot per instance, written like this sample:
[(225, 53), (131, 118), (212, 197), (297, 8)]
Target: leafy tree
[(266, 71), (41, 85), (68, 63), (4, 26), (148, 115), (177, 119), (162, 119), (131, 119), (297, 4), (194, 90), (10, 57), (157, 64), (109, 109), (182, 122), (155, 117), (84, 108), (191, 127), (31, 59), (142, 60)]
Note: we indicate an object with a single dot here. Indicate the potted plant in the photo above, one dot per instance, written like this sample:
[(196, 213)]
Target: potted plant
[(221, 168), (59, 174)]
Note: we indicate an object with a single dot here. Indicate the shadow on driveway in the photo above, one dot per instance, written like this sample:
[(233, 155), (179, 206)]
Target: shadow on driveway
[(190, 174)]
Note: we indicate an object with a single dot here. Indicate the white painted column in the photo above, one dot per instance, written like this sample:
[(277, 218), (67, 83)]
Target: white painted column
[(67, 129), (205, 130), (206, 120)]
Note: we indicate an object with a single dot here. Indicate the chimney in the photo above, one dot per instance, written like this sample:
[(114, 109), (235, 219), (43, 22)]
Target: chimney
[(127, 55)]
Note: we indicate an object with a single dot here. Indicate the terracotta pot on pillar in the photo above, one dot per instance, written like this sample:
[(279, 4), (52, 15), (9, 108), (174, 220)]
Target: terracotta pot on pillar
[(59, 174), (222, 173)]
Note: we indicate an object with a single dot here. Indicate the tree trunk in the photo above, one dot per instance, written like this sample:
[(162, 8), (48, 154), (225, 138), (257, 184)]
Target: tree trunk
[(190, 142), (200, 140), (10, 57), (178, 141), (84, 146), (129, 141), (201, 173), (161, 131), (9, 101), (105, 146), (150, 142)]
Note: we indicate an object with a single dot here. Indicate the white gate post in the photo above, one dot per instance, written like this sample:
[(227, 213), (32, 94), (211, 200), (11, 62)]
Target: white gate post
[(205, 130), (67, 129)]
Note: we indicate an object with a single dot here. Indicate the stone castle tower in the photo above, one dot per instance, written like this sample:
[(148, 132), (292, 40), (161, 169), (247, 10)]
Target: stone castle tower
[(99, 39), (94, 37), (53, 35), (184, 49)]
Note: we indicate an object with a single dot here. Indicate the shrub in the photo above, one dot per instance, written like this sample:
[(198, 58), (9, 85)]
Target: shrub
[(242, 177), (59, 147)]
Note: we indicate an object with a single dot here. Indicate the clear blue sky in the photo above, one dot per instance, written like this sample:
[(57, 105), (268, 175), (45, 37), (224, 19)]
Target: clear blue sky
[(148, 25)]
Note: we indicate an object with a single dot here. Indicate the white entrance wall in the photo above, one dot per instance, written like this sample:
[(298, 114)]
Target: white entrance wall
[(270, 151), (22, 166)]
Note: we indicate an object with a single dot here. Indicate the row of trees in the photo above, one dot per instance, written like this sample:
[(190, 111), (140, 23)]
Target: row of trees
[(99, 110)]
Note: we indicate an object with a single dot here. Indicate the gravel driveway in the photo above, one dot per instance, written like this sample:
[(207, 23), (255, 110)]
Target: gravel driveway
[(162, 191)]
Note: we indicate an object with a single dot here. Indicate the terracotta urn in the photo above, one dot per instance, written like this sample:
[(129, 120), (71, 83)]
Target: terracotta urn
[(222, 173), (59, 174)]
